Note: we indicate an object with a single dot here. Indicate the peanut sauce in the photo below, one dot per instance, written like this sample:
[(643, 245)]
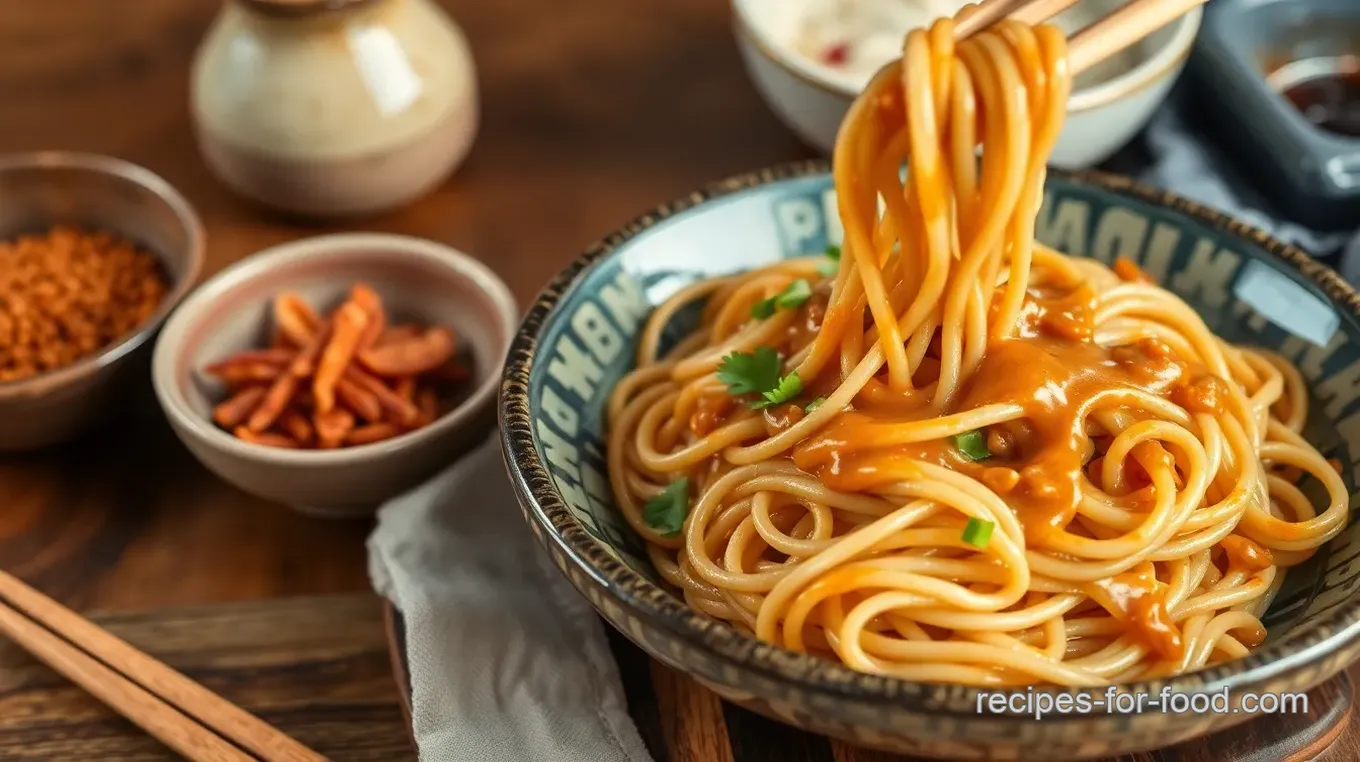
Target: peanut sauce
[(780, 417), (710, 412), (1138, 599), (1065, 317), (803, 330), (1246, 555), (1250, 637), (1055, 373), (1130, 272), (1204, 394), (1000, 479)]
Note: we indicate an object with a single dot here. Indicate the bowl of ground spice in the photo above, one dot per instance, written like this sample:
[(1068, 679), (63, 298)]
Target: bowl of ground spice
[(94, 253)]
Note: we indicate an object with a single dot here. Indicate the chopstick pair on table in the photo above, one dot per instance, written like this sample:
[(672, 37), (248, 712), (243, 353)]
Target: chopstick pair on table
[(185, 716), (1092, 44)]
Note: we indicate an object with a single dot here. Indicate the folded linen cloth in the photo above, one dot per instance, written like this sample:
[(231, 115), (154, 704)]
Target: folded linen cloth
[(507, 660), (1185, 163)]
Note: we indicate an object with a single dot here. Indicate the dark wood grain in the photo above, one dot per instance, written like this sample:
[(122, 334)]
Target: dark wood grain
[(635, 669), (588, 118), (316, 668)]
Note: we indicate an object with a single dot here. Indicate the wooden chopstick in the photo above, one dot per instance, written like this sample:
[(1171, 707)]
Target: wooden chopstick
[(1039, 11), (974, 18), (1119, 30), (163, 702), (153, 715), (977, 17), (1092, 44)]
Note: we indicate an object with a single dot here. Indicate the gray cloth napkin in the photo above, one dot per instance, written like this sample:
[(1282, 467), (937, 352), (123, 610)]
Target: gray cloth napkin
[(507, 660), (1184, 163)]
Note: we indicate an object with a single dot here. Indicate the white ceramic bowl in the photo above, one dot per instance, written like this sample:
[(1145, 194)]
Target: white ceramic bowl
[(812, 99)]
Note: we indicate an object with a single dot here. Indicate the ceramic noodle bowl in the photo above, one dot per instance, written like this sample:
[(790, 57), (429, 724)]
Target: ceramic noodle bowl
[(579, 339)]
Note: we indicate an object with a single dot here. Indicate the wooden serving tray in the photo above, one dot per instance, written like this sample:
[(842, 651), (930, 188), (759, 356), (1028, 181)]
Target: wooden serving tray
[(681, 721)]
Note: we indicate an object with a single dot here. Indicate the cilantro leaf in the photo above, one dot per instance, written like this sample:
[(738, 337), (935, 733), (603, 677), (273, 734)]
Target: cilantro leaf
[(758, 373), (790, 297), (789, 386), (833, 252), (978, 532), (750, 372), (813, 405), (794, 294), (666, 511)]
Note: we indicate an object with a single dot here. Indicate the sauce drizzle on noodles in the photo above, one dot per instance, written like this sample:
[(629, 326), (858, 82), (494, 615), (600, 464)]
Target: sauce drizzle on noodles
[(968, 458)]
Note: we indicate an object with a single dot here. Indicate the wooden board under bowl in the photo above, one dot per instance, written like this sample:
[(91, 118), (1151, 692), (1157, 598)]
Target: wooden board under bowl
[(681, 721)]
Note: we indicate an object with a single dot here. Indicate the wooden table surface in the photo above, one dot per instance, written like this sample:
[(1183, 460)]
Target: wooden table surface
[(590, 116)]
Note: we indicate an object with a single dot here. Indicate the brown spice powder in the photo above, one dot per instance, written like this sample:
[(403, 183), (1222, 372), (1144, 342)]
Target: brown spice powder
[(66, 294)]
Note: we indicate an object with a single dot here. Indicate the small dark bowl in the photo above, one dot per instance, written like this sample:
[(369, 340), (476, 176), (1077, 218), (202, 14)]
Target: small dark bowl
[(1249, 53), (39, 190), (578, 340)]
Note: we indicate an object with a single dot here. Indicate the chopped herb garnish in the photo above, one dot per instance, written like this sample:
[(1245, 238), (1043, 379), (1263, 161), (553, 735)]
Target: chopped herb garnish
[(758, 373), (791, 297), (978, 532), (834, 252), (750, 372), (973, 445), (763, 309), (666, 512), (794, 294), (789, 386), (813, 405)]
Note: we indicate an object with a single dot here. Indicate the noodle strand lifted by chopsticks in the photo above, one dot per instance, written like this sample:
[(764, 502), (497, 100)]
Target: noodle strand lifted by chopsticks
[(966, 457)]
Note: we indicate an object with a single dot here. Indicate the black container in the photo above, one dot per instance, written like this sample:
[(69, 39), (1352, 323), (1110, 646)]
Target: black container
[(1253, 54)]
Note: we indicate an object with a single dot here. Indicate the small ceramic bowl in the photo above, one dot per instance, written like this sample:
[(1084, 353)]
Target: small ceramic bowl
[(40, 190), (419, 280), (579, 339), (811, 99)]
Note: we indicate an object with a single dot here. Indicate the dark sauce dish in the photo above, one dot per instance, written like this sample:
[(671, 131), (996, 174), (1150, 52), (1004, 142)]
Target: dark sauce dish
[(1280, 84), (1325, 91)]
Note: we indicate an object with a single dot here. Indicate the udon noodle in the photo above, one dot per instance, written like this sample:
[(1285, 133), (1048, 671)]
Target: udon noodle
[(965, 457)]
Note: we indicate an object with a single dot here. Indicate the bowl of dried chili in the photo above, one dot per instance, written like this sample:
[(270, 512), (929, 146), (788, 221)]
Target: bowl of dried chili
[(331, 373)]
